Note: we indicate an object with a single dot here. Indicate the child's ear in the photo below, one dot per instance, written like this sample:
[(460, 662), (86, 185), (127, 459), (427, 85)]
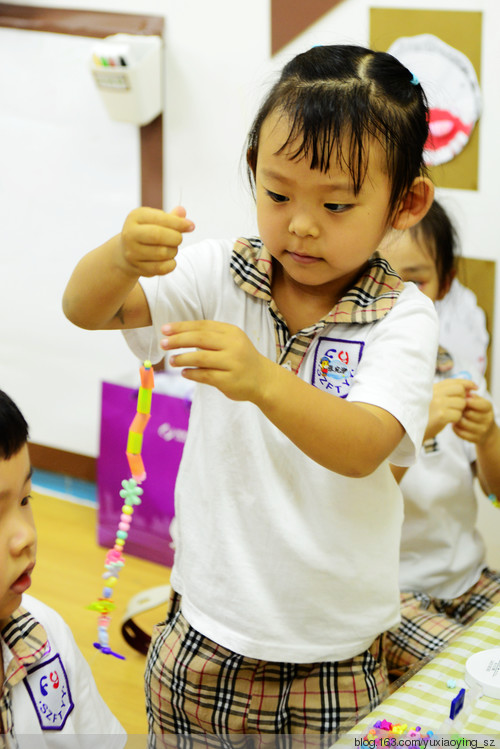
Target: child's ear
[(445, 287), (415, 204), (252, 160)]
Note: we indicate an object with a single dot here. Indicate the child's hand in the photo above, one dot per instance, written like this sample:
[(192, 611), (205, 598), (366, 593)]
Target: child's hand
[(449, 400), (224, 357), (478, 420), (150, 239)]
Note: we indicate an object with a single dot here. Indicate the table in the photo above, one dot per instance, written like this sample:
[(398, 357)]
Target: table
[(424, 700)]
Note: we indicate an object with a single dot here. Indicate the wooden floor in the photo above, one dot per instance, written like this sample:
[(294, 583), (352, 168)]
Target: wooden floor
[(68, 577)]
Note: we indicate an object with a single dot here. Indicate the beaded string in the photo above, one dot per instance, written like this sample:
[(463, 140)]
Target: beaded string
[(131, 494)]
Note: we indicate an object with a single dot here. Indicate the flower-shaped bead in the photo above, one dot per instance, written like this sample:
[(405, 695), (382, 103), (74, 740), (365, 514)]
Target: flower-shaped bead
[(131, 492)]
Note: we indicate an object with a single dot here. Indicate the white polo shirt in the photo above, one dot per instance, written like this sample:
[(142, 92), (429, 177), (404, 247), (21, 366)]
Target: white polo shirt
[(442, 551), (53, 698), (278, 558)]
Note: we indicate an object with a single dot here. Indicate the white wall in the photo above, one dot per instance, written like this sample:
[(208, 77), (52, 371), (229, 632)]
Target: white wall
[(51, 368), (68, 175), (217, 68)]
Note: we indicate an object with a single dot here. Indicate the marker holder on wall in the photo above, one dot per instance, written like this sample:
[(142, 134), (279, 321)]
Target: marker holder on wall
[(127, 72)]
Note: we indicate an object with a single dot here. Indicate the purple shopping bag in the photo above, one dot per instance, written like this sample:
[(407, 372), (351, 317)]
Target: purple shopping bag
[(162, 448)]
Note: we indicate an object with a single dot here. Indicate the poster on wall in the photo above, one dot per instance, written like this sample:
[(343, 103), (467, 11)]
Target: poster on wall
[(450, 83), (443, 49)]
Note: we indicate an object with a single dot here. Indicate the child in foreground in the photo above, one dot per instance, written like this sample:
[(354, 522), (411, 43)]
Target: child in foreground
[(313, 366), (445, 582), (48, 696)]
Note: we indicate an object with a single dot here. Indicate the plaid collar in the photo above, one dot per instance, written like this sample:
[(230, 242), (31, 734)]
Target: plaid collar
[(373, 296), (27, 641)]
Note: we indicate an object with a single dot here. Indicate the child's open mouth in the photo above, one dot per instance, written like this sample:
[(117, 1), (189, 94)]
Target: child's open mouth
[(22, 583)]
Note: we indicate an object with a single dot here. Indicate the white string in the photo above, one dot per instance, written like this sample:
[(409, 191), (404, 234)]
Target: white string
[(155, 309), (155, 306)]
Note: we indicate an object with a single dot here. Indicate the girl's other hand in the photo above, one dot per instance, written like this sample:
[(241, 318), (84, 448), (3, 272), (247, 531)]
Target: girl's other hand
[(220, 355)]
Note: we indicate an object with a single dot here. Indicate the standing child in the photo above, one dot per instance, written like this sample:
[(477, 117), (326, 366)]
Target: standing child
[(313, 366), (445, 582), (48, 696)]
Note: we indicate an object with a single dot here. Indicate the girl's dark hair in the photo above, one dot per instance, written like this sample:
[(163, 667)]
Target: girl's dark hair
[(437, 232), (13, 427), (337, 97)]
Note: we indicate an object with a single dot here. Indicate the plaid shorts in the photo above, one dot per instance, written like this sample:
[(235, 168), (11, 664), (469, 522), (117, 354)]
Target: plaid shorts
[(428, 624), (194, 686)]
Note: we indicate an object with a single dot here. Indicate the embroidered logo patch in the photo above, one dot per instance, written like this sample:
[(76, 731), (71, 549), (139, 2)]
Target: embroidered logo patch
[(335, 362), (48, 687)]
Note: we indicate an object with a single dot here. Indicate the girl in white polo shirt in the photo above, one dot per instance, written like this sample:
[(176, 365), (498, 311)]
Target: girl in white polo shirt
[(313, 366), (444, 578)]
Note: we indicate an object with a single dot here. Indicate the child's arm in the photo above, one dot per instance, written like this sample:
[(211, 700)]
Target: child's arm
[(478, 425), (347, 437), (449, 399), (103, 291)]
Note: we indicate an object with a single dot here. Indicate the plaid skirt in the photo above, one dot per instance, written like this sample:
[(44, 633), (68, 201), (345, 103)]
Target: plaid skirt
[(196, 687)]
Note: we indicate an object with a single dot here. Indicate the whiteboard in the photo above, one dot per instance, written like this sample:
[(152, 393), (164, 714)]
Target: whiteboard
[(69, 175)]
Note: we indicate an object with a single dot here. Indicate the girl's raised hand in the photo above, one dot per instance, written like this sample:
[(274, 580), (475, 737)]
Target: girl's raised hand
[(223, 356), (150, 239)]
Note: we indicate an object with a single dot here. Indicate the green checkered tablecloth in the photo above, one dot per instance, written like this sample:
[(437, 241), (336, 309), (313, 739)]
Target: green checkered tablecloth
[(424, 700)]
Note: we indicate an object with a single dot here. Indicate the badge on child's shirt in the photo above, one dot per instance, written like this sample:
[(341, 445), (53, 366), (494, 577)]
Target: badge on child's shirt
[(335, 363), (444, 363), (48, 687)]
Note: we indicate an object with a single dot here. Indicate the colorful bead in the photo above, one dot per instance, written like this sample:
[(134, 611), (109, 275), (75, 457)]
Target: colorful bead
[(493, 499), (114, 556), (136, 465), (103, 638), (383, 730), (144, 401), (131, 494), (134, 443), (102, 606)]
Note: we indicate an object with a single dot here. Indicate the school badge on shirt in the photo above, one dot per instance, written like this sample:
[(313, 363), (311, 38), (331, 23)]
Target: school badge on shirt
[(335, 363), (48, 687)]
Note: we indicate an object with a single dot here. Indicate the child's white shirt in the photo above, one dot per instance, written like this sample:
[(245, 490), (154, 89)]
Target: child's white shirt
[(57, 705), (442, 551), (462, 326), (278, 558)]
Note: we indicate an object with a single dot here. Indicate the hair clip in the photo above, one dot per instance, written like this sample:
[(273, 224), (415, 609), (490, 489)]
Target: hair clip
[(414, 80)]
